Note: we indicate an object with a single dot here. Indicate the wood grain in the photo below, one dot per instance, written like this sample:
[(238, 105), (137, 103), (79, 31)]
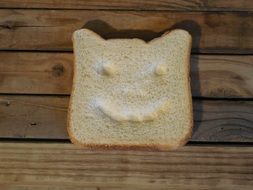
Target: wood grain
[(33, 117), (194, 5), (51, 73), (36, 73), (64, 165), (45, 117), (222, 76), (212, 32)]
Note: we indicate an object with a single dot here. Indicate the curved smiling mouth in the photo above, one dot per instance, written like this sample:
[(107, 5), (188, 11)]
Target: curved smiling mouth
[(147, 113)]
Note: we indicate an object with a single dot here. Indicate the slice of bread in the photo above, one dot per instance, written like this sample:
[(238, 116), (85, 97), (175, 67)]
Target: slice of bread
[(129, 94)]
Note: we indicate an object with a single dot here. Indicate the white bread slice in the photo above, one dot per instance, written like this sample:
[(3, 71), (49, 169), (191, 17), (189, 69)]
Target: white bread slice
[(129, 94)]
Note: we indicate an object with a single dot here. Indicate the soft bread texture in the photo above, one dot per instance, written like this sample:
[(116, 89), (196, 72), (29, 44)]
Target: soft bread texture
[(129, 94)]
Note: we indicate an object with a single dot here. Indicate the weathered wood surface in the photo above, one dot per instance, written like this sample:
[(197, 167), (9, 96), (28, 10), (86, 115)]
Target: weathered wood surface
[(222, 76), (33, 117), (45, 117), (213, 32), (64, 165), (51, 73), (36, 73), (194, 5)]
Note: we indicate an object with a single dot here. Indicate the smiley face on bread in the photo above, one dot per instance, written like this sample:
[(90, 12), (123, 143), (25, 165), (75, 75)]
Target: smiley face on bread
[(127, 89)]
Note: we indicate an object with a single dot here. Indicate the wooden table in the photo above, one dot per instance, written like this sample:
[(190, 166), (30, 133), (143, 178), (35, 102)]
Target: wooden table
[(36, 64)]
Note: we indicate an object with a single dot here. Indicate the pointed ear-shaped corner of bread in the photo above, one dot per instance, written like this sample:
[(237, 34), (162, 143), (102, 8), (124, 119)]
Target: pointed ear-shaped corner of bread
[(177, 36), (86, 36)]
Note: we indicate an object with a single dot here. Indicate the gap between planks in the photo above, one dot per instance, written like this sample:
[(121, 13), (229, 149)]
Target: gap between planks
[(67, 141)]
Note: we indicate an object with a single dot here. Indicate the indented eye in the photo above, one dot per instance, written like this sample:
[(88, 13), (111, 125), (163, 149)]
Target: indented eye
[(108, 69), (161, 69)]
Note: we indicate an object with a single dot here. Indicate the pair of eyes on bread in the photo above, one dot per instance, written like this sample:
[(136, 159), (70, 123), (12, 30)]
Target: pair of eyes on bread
[(110, 70)]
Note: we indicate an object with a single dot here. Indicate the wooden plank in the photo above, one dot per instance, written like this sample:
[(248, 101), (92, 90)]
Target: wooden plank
[(51, 73), (46, 187), (64, 165), (222, 76), (33, 117), (194, 5), (36, 73), (213, 32), (45, 117)]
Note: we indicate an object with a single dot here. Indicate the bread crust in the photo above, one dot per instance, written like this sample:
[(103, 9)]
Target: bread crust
[(144, 147)]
